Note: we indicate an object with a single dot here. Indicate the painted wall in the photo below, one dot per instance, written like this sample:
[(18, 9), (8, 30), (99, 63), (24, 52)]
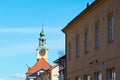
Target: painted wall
[(55, 73), (107, 55)]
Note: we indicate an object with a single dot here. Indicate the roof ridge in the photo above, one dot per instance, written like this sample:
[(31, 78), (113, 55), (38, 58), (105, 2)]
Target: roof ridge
[(42, 64)]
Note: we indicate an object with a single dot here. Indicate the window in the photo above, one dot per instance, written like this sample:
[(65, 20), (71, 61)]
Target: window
[(77, 78), (98, 76), (69, 51), (87, 77), (97, 36), (77, 46), (110, 29), (62, 76), (111, 74), (86, 42), (70, 79)]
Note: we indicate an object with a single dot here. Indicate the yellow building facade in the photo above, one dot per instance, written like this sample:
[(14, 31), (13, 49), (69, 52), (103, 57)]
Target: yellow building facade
[(93, 42)]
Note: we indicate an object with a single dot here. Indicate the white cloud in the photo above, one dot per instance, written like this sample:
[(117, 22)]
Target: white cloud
[(2, 79), (19, 76)]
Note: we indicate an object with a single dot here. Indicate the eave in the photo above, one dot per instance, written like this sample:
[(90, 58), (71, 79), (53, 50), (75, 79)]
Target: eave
[(85, 12)]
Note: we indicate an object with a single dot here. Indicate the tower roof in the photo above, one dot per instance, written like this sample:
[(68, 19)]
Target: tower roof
[(42, 37), (42, 64), (42, 34), (42, 47)]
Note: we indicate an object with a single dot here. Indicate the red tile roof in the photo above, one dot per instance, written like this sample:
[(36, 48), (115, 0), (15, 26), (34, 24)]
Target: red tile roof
[(42, 64)]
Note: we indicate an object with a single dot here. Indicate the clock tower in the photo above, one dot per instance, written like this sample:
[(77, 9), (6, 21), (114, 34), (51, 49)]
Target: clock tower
[(42, 50)]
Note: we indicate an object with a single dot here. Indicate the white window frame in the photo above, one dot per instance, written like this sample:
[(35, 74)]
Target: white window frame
[(87, 77), (111, 74), (77, 78), (98, 76)]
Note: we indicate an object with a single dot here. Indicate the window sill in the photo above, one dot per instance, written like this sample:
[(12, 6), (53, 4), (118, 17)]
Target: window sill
[(96, 48)]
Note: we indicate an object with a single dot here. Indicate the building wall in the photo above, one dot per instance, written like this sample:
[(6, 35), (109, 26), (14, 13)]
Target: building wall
[(107, 55), (55, 73), (43, 76), (62, 70)]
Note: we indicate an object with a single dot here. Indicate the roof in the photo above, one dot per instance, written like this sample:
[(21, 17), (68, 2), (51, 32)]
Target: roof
[(61, 58), (89, 7), (53, 67), (41, 47), (42, 64)]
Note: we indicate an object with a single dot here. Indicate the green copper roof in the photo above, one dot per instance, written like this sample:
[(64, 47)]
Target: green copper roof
[(42, 34), (43, 37), (41, 47)]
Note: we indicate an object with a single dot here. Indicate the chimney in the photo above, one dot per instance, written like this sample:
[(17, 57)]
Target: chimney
[(88, 4)]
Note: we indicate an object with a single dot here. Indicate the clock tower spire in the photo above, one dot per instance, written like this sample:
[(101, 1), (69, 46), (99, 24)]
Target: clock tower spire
[(42, 39), (42, 50)]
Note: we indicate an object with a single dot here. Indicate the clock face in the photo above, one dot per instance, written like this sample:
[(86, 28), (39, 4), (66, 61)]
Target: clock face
[(42, 52)]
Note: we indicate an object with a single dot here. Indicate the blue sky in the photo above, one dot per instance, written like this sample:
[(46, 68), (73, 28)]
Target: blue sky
[(20, 25)]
